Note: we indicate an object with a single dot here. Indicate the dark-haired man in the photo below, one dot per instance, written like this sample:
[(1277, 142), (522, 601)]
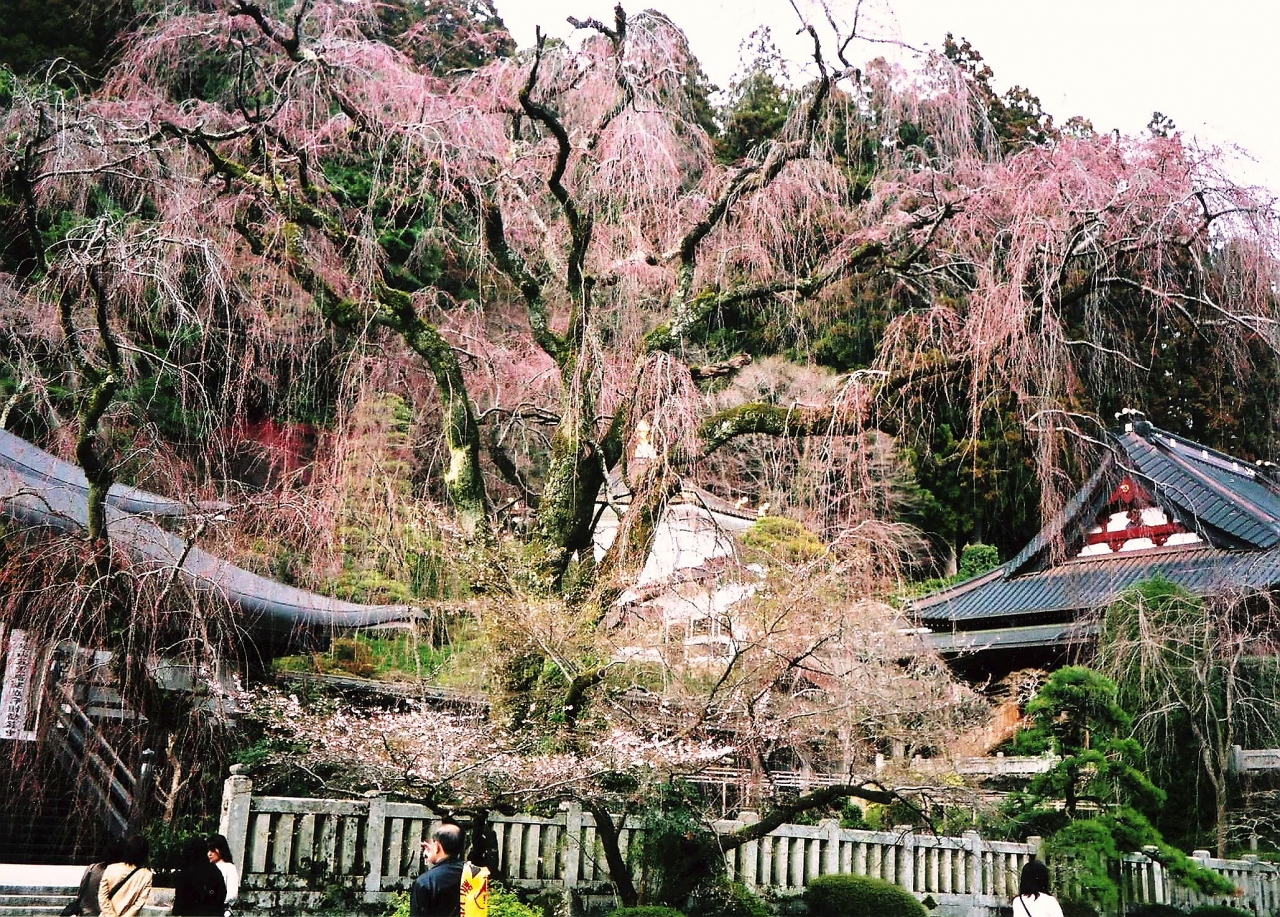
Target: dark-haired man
[(437, 892)]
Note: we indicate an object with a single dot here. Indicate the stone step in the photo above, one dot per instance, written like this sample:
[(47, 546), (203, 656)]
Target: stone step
[(16, 905), (44, 891)]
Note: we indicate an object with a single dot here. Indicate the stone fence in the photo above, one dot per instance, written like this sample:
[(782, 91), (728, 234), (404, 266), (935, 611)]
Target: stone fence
[(295, 852)]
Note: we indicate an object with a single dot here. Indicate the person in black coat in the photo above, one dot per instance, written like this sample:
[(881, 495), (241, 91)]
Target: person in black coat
[(438, 891), (199, 890)]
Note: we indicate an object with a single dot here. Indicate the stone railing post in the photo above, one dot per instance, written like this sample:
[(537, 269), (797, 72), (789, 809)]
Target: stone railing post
[(139, 805), (233, 824), (1252, 887), (906, 857), (375, 834), (831, 850), (748, 872), (572, 812), (973, 875)]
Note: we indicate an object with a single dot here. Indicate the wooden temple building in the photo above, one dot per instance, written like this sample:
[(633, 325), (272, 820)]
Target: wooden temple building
[(1157, 506)]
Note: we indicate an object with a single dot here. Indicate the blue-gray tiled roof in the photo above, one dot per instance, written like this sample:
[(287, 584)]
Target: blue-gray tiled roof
[(1233, 505), (1093, 582)]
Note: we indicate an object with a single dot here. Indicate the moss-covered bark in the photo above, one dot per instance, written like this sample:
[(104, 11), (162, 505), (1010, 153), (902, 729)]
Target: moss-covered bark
[(562, 525), (392, 309), (101, 386)]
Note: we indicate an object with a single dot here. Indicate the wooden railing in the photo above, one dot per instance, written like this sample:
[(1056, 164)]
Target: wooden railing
[(90, 759)]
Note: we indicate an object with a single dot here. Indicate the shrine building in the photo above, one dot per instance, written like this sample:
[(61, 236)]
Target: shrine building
[(1158, 506)]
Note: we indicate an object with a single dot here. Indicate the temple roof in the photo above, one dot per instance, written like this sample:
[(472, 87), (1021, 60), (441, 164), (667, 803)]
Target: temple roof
[(1215, 529)]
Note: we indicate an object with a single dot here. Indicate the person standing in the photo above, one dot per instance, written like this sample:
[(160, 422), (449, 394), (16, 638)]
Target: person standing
[(126, 885), (220, 856), (438, 891), (1033, 898), (199, 890)]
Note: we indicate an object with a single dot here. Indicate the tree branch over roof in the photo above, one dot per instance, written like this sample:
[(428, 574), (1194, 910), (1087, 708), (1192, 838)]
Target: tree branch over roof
[(748, 179)]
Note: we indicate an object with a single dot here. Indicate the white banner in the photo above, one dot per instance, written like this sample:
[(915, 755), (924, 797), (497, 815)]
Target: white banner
[(19, 685)]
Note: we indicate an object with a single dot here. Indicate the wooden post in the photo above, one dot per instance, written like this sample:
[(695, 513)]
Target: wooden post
[(374, 841), (233, 824)]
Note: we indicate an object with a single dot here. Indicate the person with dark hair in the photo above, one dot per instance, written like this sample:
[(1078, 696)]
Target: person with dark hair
[(199, 890), (438, 891), (485, 853), (1033, 898), (86, 901), (126, 885), (220, 856)]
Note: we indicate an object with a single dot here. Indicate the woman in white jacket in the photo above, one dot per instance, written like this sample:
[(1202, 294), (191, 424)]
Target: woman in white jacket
[(220, 856), (1033, 898)]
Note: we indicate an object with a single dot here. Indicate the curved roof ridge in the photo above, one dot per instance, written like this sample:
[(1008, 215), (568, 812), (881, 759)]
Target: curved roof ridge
[(1224, 480)]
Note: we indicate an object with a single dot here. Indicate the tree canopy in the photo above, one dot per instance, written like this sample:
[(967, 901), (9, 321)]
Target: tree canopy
[(419, 305)]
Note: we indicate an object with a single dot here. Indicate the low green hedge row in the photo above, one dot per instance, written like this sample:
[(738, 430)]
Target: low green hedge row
[(860, 896)]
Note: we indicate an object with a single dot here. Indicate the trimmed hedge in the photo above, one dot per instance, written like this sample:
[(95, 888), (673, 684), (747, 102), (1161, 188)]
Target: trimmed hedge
[(860, 896), (647, 910), (1219, 910), (1156, 910)]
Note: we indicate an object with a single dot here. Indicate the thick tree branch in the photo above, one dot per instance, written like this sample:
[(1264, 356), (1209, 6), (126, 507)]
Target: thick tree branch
[(692, 312), (608, 831), (579, 223), (719, 370), (511, 263), (786, 811), (749, 179)]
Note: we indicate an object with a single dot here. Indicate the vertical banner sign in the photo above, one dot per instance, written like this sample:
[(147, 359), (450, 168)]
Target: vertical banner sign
[(19, 682)]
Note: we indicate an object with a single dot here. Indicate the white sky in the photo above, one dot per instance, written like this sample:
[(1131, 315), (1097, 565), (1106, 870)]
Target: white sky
[(1213, 66)]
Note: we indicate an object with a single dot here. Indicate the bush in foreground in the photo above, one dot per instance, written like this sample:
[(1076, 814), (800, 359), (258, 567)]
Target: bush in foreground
[(647, 910), (860, 896)]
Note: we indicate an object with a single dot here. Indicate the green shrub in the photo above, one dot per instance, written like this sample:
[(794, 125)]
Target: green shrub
[(784, 540), (352, 656), (400, 905), (501, 904), (976, 559), (1078, 909), (1218, 910), (851, 816), (1155, 910), (726, 899), (647, 910), (860, 896), (507, 904)]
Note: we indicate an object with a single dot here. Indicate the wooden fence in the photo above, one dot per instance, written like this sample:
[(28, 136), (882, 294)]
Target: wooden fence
[(294, 852)]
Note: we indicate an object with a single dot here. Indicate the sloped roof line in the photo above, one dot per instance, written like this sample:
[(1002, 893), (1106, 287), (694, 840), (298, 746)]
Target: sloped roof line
[(1262, 516), (1223, 460), (1087, 501), (1220, 497), (1094, 491), (1079, 587)]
